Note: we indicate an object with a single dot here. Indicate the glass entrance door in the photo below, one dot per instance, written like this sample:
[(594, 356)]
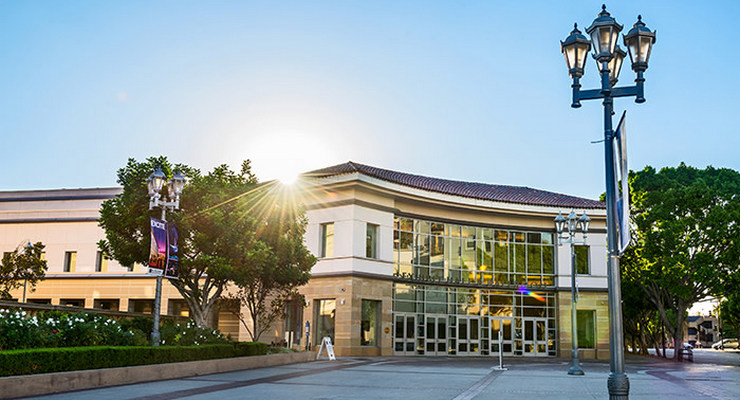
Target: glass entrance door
[(468, 336), (535, 337), (505, 325), (436, 340), (404, 334)]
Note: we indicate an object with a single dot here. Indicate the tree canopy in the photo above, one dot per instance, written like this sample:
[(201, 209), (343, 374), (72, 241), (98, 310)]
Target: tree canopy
[(222, 224), (22, 265), (687, 237)]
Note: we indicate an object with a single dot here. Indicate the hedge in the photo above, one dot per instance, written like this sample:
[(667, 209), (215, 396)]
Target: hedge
[(38, 361)]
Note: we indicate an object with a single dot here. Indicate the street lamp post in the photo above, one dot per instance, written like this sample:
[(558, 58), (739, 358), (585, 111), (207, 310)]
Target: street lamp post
[(604, 32), (154, 183), (573, 223)]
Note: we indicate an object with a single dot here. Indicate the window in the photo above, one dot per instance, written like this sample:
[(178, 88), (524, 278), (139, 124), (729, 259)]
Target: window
[(70, 260), (325, 315), (101, 262), (327, 240), (586, 320), (106, 304), (371, 241), (582, 260), (369, 324)]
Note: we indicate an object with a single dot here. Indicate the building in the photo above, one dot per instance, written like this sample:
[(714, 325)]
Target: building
[(701, 330), (408, 265)]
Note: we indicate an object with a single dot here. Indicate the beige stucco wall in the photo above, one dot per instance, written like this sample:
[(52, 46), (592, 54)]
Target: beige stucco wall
[(349, 292)]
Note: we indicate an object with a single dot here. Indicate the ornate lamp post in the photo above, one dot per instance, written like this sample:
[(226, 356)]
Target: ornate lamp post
[(154, 184), (573, 223), (604, 32)]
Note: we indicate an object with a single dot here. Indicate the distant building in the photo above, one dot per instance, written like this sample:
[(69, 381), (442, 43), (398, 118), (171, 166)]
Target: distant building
[(408, 265), (701, 331)]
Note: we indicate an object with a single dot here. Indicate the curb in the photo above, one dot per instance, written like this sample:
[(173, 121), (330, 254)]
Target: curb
[(33, 385)]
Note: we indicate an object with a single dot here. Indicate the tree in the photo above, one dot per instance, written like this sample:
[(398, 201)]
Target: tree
[(687, 237), (730, 314), (268, 279), (22, 266), (212, 220)]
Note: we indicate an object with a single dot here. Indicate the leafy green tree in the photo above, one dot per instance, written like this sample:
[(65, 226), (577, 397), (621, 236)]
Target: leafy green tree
[(24, 265), (730, 314), (270, 276), (211, 221), (687, 224)]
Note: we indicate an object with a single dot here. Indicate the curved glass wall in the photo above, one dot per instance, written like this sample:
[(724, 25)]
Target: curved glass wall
[(429, 250)]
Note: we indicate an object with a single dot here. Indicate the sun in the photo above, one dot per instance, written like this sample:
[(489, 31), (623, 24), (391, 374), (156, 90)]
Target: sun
[(287, 177)]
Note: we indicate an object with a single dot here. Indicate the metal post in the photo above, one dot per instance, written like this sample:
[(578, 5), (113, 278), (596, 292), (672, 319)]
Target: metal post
[(157, 299), (617, 383), (575, 367)]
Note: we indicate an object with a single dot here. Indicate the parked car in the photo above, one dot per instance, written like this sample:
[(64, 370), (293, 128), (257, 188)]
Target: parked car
[(688, 346), (726, 343)]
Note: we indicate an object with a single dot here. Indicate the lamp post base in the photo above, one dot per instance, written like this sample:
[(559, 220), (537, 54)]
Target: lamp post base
[(575, 368), (618, 385)]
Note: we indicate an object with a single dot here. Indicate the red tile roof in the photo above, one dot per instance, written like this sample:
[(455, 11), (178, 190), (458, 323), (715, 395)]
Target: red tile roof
[(482, 191)]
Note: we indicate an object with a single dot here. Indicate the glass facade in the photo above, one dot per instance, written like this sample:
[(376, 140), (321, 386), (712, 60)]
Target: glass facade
[(431, 250), (472, 290), (442, 320)]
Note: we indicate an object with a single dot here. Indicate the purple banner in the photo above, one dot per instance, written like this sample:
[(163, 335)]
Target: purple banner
[(173, 260), (158, 248)]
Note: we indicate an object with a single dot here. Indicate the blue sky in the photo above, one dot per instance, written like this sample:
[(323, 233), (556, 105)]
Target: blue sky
[(467, 90)]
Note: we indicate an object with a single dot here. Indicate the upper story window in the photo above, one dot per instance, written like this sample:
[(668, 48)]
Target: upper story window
[(70, 261), (582, 260), (327, 240), (371, 241), (101, 262)]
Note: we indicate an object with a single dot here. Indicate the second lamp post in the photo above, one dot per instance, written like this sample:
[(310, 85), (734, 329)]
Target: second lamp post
[(154, 184), (573, 223)]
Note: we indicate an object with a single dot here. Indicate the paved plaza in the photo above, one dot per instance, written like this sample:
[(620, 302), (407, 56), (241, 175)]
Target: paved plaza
[(442, 378)]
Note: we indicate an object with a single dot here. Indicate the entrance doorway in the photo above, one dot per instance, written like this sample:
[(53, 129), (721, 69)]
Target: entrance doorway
[(535, 337), (404, 335), (436, 331), (505, 325), (468, 336)]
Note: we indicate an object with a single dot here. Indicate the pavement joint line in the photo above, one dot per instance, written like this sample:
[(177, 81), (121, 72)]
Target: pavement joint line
[(479, 386), (237, 384)]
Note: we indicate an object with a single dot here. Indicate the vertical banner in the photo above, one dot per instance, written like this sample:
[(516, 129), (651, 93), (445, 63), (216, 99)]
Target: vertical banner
[(623, 202), (173, 256), (158, 248)]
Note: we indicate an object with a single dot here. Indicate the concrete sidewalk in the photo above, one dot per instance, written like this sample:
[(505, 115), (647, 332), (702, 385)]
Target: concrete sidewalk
[(438, 378)]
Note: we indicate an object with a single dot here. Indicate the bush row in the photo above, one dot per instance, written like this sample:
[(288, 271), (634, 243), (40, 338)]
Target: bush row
[(19, 330), (37, 361)]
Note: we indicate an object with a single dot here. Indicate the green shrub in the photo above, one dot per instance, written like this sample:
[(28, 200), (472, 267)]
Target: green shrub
[(251, 348), (18, 330), (37, 361), (188, 334)]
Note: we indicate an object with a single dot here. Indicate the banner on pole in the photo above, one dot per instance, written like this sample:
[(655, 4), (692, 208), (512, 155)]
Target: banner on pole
[(173, 261), (623, 200), (158, 247)]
